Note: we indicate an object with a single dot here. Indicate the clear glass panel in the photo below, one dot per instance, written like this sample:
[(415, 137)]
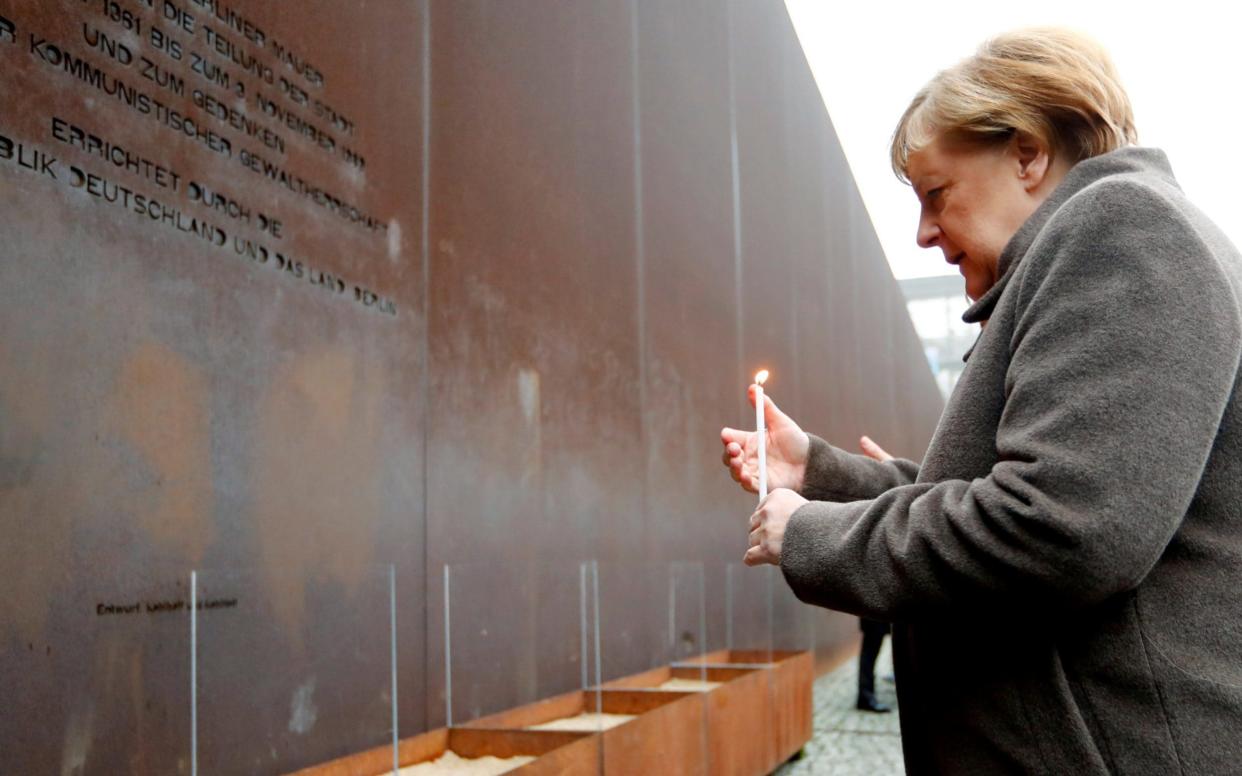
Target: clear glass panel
[(633, 618), (749, 609), (520, 655), (517, 633), (750, 593), (687, 611), (651, 617), (293, 670)]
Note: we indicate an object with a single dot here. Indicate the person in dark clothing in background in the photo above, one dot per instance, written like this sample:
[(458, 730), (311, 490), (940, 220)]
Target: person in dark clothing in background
[(873, 632)]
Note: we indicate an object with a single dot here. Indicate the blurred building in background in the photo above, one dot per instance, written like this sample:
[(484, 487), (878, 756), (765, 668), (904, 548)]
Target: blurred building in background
[(936, 305)]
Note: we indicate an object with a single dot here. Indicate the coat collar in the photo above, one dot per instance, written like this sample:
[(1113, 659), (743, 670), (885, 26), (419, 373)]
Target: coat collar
[(1081, 175)]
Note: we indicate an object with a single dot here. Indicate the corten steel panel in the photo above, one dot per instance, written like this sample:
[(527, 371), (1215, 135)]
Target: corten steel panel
[(533, 319), (767, 270), (846, 310), (533, 351), (169, 403), (691, 346), (818, 346)]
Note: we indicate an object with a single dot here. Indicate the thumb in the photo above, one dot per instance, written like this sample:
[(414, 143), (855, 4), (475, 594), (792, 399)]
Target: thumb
[(772, 414), (872, 450)]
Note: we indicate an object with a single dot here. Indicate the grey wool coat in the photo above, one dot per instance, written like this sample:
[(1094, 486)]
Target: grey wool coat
[(1064, 570)]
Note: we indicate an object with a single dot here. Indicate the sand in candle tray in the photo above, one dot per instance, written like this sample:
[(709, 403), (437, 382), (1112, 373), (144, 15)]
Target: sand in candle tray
[(689, 685), (453, 764), (587, 722)]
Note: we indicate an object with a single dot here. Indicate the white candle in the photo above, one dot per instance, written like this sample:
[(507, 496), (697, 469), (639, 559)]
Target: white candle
[(761, 428)]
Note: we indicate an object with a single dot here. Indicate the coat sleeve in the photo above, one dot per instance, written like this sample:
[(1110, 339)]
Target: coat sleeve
[(1124, 354), (835, 475)]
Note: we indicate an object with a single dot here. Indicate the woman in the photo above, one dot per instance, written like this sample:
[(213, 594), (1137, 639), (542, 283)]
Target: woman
[(1065, 567)]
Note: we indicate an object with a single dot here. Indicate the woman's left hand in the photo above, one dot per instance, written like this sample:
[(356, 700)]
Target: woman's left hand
[(767, 526)]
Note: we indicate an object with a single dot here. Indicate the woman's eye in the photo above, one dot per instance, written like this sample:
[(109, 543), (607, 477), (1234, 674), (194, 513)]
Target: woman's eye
[(934, 194)]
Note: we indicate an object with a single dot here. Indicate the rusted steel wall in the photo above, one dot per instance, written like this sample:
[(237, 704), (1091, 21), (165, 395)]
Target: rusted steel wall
[(472, 281)]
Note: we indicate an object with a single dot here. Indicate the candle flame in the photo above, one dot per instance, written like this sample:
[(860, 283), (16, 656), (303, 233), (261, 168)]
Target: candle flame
[(761, 377)]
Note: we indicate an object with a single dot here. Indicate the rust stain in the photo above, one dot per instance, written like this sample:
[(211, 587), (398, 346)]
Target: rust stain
[(161, 408), (31, 520), (317, 510)]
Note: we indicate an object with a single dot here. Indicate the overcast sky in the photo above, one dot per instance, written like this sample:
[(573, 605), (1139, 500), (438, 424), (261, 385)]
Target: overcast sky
[(1179, 62)]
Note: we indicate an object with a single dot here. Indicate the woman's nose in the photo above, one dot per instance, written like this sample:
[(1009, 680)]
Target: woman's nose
[(928, 233)]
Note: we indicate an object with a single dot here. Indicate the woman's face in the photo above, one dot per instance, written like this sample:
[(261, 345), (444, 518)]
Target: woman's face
[(975, 199)]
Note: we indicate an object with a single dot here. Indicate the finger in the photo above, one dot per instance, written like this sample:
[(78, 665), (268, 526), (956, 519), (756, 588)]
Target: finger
[(737, 470), (754, 557), (744, 478), (733, 436), (755, 538), (734, 459), (872, 450), (754, 521)]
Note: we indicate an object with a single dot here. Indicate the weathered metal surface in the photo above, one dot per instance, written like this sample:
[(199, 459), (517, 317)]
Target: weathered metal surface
[(169, 403), (631, 208)]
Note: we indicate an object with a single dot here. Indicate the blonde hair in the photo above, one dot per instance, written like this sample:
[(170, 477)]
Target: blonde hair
[(1056, 85)]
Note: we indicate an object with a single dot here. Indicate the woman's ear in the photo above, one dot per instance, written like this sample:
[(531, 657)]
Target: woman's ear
[(1033, 159)]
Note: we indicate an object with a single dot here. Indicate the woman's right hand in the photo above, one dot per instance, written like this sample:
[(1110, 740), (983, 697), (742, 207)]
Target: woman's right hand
[(787, 449)]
